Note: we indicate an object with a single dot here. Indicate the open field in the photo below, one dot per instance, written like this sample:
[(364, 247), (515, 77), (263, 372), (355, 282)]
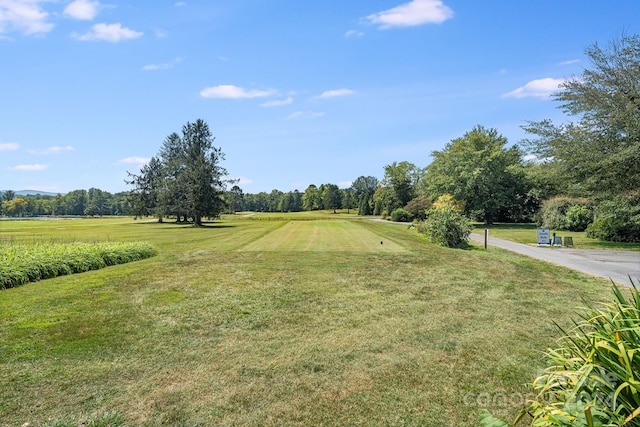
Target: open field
[(292, 320), (526, 234)]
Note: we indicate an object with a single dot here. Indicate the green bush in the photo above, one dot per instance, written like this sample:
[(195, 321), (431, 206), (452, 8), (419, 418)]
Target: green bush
[(419, 207), (578, 217), (553, 213), (617, 220), (593, 378), (445, 224), (401, 215)]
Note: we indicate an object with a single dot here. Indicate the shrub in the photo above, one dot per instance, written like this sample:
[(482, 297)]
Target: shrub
[(445, 224), (419, 207), (401, 215), (578, 217), (591, 379), (617, 220), (565, 213), (553, 213)]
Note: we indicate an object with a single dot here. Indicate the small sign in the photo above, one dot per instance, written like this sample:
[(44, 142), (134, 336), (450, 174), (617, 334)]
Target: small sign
[(544, 236), (557, 240)]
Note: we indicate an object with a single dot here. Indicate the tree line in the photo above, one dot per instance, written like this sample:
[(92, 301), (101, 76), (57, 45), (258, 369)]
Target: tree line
[(92, 202)]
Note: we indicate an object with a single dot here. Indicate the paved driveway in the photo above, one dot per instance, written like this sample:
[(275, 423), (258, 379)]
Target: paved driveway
[(614, 265)]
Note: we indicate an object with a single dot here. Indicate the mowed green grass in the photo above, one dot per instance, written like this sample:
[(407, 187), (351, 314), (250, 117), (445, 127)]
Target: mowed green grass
[(324, 235), (230, 326)]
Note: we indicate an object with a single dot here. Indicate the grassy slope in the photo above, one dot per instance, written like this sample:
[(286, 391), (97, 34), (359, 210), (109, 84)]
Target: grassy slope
[(215, 331)]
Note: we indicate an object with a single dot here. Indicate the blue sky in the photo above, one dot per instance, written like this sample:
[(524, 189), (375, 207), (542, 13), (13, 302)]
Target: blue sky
[(296, 92)]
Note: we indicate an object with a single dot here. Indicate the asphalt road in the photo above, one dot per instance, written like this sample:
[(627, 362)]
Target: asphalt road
[(614, 265)]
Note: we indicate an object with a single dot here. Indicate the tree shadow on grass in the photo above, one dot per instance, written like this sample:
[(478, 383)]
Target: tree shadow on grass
[(206, 225), (506, 226)]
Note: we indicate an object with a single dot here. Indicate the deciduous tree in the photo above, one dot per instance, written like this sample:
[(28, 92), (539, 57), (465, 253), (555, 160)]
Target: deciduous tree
[(364, 188), (402, 179), (311, 199), (480, 170)]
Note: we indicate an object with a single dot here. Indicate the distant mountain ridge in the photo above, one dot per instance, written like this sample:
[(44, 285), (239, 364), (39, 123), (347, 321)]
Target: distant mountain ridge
[(32, 193)]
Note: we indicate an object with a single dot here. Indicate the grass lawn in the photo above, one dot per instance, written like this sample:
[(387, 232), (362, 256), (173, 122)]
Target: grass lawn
[(527, 234), (291, 320)]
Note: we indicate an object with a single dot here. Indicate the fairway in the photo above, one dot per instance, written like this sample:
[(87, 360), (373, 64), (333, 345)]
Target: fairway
[(323, 235), (272, 321)]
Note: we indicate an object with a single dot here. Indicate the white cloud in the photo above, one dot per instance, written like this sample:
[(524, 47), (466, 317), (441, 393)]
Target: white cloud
[(569, 62), (135, 160), (278, 103), (345, 184), (540, 88), (180, 3), (416, 12), (335, 93), (243, 181), (165, 66), (9, 146), (25, 16), (353, 34), (108, 32), (28, 168), (82, 9), (305, 115), (234, 92), (52, 150)]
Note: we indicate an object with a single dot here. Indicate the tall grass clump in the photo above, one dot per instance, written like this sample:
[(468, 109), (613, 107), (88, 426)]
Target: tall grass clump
[(593, 378), (22, 263)]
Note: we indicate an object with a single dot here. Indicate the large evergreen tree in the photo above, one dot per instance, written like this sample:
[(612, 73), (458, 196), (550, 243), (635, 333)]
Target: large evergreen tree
[(203, 175), (598, 154), (185, 179)]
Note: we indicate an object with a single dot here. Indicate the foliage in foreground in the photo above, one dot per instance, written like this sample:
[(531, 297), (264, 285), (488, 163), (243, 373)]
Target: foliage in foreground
[(23, 263), (445, 224), (593, 378)]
